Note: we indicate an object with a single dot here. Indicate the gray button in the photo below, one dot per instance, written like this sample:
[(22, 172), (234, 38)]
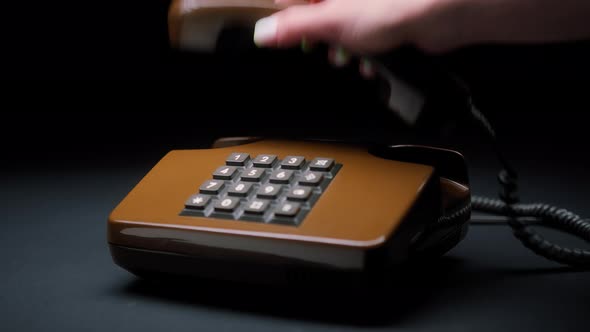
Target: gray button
[(269, 190), (252, 174), (197, 202), (239, 189), (264, 160), (227, 204), (292, 162), (257, 206), (287, 209), (224, 173), (311, 178), (237, 159), (281, 176), (321, 164), (211, 187), (299, 193)]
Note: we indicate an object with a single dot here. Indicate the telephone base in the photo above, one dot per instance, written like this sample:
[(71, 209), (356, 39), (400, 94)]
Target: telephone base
[(286, 211)]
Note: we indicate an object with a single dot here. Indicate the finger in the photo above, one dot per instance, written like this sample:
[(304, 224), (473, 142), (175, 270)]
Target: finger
[(290, 26), (338, 56)]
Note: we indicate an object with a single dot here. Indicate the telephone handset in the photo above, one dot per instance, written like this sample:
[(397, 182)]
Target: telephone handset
[(268, 210), (410, 81)]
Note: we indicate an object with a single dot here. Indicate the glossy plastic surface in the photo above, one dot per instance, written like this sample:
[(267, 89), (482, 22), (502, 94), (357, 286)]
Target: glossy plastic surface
[(362, 209), (363, 206)]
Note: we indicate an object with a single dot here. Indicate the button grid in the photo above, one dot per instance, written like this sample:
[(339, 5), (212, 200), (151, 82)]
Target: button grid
[(292, 196)]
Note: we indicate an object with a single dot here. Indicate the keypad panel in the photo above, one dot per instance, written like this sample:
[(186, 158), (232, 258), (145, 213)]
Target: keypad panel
[(262, 188)]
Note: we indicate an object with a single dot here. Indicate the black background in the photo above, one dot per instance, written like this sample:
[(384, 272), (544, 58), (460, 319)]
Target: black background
[(103, 70), (94, 96)]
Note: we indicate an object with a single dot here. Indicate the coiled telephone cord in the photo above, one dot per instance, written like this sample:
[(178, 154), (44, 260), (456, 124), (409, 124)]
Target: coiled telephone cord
[(508, 205)]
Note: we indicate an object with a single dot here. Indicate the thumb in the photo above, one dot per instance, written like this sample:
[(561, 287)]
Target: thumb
[(287, 28)]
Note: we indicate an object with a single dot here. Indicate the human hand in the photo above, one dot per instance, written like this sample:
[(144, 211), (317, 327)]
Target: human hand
[(357, 27)]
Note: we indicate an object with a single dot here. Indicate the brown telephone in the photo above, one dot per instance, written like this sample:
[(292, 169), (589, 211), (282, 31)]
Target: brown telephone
[(265, 210), (257, 209)]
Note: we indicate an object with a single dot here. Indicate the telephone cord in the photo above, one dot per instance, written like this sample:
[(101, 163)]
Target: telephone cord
[(508, 205)]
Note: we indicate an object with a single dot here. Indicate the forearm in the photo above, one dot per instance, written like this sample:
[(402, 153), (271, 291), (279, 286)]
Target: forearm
[(522, 21)]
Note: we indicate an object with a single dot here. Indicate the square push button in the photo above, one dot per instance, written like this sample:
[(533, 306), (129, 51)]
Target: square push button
[(224, 173), (299, 193), (288, 209), (281, 176), (240, 189), (256, 206), (293, 162), (321, 164), (252, 174), (227, 204), (211, 187), (237, 159), (197, 202), (269, 190), (264, 160), (311, 178)]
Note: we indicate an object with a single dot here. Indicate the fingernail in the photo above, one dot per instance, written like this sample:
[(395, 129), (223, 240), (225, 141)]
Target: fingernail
[(265, 30), (366, 68), (341, 57)]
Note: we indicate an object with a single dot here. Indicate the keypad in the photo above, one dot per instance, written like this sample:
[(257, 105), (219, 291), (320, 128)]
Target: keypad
[(262, 188)]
